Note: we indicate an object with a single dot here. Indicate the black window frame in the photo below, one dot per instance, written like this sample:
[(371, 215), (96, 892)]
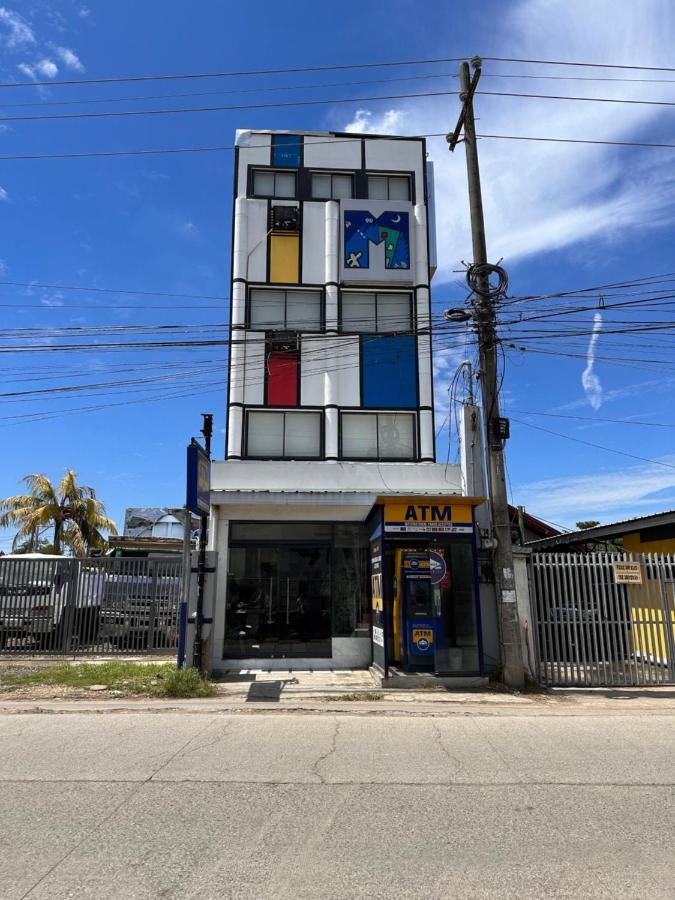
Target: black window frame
[(366, 290), (300, 288), (389, 175), (266, 410), (380, 412), (331, 173), (271, 170)]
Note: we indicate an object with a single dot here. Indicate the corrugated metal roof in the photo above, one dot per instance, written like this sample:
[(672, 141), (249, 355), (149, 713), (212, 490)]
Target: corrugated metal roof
[(612, 529)]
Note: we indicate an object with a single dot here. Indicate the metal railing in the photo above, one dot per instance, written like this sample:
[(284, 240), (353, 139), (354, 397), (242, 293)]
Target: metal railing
[(591, 630), (104, 605)]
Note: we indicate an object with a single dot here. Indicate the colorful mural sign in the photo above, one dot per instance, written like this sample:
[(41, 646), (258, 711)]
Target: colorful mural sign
[(376, 241)]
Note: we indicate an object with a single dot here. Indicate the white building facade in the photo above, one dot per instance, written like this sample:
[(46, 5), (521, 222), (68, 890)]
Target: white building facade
[(330, 422)]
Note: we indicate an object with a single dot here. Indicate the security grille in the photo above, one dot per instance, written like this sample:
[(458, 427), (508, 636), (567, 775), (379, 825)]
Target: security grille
[(89, 606), (592, 630)]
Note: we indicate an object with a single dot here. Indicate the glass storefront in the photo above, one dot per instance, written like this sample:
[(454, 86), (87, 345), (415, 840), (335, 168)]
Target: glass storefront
[(292, 587)]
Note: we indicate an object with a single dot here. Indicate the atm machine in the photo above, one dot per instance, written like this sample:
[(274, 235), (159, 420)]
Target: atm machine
[(418, 630)]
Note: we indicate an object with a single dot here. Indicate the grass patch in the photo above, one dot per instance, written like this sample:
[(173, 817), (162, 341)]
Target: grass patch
[(155, 680)]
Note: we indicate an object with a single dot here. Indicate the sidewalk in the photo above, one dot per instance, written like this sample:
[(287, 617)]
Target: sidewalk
[(356, 692)]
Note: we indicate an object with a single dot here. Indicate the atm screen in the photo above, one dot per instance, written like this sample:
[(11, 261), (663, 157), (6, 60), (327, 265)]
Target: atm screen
[(419, 597)]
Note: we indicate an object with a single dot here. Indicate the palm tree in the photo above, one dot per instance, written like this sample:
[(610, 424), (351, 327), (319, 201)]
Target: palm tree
[(72, 510)]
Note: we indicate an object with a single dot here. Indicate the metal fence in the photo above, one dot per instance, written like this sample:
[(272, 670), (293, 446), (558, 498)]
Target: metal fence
[(591, 630), (89, 606)]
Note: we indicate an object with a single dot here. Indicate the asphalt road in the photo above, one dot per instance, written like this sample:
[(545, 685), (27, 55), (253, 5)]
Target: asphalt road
[(182, 805)]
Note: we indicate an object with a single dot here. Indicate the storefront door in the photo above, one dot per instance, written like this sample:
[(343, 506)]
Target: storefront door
[(278, 601)]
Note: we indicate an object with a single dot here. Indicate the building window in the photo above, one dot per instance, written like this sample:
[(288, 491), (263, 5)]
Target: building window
[(284, 310), (374, 311), (282, 365), (268, 183), (332, 186), (283, 435), (388, 187), (382, 436)]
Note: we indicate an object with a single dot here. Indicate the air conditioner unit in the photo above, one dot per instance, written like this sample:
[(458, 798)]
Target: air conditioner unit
[(285, 218)]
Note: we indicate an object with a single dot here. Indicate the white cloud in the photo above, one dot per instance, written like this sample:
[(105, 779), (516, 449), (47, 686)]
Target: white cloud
[(190, 229), (53, 301), (48, 68), (3, 267), (69, 58), (542, 197), (3, 194), (364, 123), (84, 12), (605, 495), (589, 379), (27, 70), (16, 30)]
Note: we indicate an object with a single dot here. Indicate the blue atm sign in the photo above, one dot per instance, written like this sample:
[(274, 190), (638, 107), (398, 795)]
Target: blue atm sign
[(198, 480)]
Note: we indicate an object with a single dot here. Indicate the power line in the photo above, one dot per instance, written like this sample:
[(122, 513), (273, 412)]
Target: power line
[(584, 99), (231, 74), (589, 65), (655, 462), (114, 113), (527, 412), (202, 109), (158, 151)]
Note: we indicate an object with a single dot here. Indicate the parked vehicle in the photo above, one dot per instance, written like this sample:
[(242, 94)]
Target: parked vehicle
[(139, 608), (45, 598)]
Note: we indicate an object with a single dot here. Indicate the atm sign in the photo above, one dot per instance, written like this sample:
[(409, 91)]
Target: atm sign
[(428, 518), (423, 638)]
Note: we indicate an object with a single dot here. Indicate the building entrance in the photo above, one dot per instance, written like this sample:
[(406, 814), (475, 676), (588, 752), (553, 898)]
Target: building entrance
[(278, 601)]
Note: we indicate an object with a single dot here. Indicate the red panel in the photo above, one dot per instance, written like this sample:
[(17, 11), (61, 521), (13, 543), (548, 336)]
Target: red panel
[(282, 378)]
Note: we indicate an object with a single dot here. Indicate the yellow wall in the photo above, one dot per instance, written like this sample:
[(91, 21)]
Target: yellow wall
[(633, 544), (647, 607), (285, 258)]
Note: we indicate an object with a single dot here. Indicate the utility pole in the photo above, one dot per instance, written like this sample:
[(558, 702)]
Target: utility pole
[(199, 662), (484, 317)]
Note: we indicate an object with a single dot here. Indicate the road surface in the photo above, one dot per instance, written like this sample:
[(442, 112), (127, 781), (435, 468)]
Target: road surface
[(292, 805)]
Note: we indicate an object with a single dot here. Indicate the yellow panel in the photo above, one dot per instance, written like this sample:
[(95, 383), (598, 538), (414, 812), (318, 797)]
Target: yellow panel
[(633, 544), (285, 258)]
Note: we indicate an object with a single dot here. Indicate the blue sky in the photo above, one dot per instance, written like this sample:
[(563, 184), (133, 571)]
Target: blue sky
[(562, 216)]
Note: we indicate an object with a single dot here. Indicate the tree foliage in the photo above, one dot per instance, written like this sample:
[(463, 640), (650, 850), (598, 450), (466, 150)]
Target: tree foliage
[(78, 518)]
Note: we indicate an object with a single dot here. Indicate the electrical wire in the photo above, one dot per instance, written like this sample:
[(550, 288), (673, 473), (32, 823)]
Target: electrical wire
[(568, 437), (100, 154)]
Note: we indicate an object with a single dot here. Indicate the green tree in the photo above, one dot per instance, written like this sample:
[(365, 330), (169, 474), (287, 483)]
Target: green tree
[(588, 523), (77, 517)]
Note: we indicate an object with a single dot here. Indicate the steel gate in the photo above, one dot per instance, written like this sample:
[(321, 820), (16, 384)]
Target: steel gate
[(107, 605), (591, 631)]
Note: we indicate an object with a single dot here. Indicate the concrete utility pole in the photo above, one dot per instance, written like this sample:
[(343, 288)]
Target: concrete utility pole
[(484, 316)]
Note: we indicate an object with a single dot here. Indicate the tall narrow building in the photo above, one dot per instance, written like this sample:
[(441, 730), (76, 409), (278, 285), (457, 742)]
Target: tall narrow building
[(330, 476)]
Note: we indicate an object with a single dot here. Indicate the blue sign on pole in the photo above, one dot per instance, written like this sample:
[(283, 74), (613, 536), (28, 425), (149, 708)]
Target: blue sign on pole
[(437, 567), (198, 480)]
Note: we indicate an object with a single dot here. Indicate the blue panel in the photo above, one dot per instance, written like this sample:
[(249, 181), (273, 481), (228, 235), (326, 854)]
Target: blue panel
[(389, 371), (286, 150)]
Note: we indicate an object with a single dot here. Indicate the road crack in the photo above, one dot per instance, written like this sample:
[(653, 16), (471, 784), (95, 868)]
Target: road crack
[(331, 750)]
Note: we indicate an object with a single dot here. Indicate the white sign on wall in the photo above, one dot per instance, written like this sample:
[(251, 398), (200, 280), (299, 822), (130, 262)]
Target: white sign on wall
[(376, 241)]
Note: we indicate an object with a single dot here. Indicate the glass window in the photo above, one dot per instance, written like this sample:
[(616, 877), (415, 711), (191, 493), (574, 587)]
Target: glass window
[(342, 186), (377, 187), (370, 311), (271, 309), (395, 436), (350, 568), (378, 435), (287, 435), (268, 309), (359, 435), (267, 183), (321, 186), (394, 312), (331, 186), (358, 311), (265, 435), (388, 187), (284, 184), (303, 310)]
